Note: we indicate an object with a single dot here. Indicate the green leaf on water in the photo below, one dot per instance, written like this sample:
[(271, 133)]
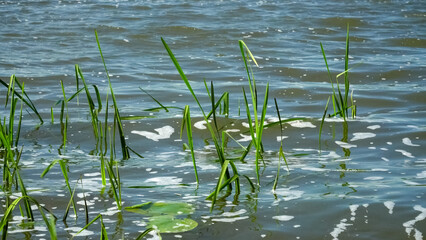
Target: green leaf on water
[(170, 224), (162, 208), (162, 216)]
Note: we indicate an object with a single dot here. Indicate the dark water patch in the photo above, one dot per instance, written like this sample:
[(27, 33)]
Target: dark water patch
[(408, 42), (342, 22)]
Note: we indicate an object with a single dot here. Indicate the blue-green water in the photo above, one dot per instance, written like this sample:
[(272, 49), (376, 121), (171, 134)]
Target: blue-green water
[(366, 184)]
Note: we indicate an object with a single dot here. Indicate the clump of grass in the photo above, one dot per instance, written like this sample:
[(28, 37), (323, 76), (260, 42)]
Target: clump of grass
[(124, 147), (339, 100), (49, 220), (256, 130), (12, 179), (225, 179)]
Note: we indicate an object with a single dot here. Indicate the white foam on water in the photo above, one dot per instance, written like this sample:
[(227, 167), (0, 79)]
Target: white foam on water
[(289, 194), (340, 227), (110, 211), (90, 184), (283, 218), (390, 205), (207, 167), (385, 159), (409, 225), (379, 170), (232, 130), (301, 124), (200, 124), (184, 164), (92, 174), (405, 153), (418, 235), (408, 142), (344, 144), (373, 178), (279, 138), (245, 138), (228, 220), (410, 183), (233, 214), (165, 180), (162, 133), (353, 209), (331, 154), (88, 203), (362, 135), (75, 230), (373, 127), (154, 235), (421, 175), (246, 125), (314, 169)]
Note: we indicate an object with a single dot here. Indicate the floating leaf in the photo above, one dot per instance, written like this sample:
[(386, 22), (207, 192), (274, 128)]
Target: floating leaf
[(162, 208), (169, 224)]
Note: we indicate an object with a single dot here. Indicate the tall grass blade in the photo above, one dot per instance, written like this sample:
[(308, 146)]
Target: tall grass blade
[(18, 132), (24, 96), (346, 70), (219, 182), (281, 153), (187, 123), (181, 73), (124, 149), (322, 123)]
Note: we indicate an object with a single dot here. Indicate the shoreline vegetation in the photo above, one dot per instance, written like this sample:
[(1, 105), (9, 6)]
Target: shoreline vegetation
[(108, 127)]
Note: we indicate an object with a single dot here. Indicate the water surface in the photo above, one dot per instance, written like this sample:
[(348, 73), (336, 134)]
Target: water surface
[(368, 181)]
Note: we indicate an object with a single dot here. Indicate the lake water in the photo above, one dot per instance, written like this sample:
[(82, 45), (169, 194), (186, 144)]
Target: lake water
[(368, 181)]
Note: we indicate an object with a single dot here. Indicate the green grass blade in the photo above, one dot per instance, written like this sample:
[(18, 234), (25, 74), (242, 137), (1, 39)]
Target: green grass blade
[(219, 182), (223, 98), (161, 105), (346, 69), (281, 153), (26, 100), (182, 74), (187, 117), (144, 233), (87, 225), (124, 149), (18, 132), (98, 97), (322, 123)]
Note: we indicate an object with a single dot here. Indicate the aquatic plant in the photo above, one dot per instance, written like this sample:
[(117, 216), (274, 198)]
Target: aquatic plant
[(280, 152), (256, 130), (12, 178), (225, 179), (339, 100)]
